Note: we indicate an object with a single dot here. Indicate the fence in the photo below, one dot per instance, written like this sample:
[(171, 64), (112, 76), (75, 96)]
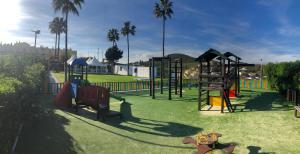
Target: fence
[(292, 96), (140, 87), (254, 84)]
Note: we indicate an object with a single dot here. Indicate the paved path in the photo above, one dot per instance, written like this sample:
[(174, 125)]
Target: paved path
[(52, 78)]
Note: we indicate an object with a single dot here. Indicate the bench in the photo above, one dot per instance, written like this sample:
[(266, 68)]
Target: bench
[(297, 109), (97, 98)]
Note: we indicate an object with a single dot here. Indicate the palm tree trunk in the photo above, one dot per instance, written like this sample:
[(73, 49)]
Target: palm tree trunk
[(58, 43), (55, 45), (128, 55), (162, 61), (66, 47)]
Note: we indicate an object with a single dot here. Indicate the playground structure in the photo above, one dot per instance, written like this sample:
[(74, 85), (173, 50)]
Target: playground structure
[(78, 76), (175, 74), (222, 78)]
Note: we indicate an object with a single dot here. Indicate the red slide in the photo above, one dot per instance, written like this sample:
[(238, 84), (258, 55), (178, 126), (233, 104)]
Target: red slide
[(64, 97)]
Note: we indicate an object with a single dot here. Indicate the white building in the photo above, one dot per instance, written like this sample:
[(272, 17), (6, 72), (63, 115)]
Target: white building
[(96, 67), (122, 69), (137, 71)]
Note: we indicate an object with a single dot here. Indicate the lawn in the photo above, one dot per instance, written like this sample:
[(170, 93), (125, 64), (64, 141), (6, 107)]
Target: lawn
[(264, 123), (94, 78)]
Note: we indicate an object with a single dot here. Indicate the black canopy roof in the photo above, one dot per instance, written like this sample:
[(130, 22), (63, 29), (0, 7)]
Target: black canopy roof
[(229, 54), (210, 54)]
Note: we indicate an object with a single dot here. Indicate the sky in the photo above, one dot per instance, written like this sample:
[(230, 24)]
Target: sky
[(252, 29)]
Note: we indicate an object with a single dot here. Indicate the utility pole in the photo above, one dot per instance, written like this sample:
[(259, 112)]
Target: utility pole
[(36, 32)]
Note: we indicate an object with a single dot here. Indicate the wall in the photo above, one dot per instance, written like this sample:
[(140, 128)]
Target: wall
[(142, 71), (122, 70)]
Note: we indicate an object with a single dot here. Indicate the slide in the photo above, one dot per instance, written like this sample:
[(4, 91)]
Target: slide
[(64, 97)]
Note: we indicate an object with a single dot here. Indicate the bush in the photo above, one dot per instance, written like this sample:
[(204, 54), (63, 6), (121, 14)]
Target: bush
[(20, 79), (284, 75)]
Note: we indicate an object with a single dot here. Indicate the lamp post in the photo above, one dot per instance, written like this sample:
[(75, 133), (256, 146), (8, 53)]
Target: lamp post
[(36, 32)]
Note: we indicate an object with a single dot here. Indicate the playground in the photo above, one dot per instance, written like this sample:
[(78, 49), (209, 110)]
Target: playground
[(104, 117), (260, 125)]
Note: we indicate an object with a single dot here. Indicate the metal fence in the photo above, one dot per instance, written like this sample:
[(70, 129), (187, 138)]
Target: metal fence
[(140, 87)]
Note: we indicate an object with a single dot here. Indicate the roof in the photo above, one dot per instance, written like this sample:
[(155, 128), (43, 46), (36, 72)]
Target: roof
[(69, 61), (229, 54), (94, 62), (210, 55), (76, 61)]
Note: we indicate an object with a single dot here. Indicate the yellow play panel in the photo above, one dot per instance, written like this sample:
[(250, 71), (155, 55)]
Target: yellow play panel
[(216, 101)]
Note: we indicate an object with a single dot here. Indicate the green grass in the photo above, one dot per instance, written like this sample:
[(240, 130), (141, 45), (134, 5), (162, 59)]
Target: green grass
[(262, 121), (93, 78)]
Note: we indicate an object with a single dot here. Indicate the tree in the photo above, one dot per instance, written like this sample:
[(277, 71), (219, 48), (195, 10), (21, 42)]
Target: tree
[(126, 30), (163, 10), (113, 54), (113, 36), (61, 28), (66, 7), (53, 29)]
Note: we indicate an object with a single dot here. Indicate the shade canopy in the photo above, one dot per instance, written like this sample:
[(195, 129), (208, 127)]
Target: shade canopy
[(210, 55), (229, 54), (94, 62), (76, 61)]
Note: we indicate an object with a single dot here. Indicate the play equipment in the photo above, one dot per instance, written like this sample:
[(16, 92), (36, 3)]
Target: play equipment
[(175, 73), (75, 79), (206, 143), (97, 98), (221, 78), (64, 97), (77, 70)]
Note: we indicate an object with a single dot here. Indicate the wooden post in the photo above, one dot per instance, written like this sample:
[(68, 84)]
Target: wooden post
[(208, 84), (181, 73), (222, 87), (236, 82), (228, 78), (200, 86), (170, 80), (238, 76), (150, 76), (162, 76), (86, 74), (153, 80), (175, 72)]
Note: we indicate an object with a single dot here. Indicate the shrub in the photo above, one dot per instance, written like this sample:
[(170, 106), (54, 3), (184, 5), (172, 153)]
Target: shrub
[(284, 75)]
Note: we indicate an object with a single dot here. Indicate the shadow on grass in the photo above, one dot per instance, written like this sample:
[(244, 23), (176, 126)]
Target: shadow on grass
[(168, 129), (122, 135), (44, 131), (256, 149), (134, 124), (266, 101)]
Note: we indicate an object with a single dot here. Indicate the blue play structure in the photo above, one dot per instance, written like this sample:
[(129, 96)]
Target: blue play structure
[(77, 73)]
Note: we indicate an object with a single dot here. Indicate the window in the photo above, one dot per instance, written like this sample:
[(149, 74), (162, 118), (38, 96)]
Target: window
[(135, 70)]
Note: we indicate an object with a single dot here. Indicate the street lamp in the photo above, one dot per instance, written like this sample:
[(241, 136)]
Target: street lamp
[(36, 32)]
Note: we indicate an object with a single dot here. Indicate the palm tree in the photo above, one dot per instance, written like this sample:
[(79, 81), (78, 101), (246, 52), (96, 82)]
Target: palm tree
[(113, 36), (61, 28), (53, 29), (126, 30), (66, 7), (163, 10)]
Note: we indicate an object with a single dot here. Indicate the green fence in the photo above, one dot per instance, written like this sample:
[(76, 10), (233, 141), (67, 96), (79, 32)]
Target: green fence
[(139, 87), (254, 84), (120, 87)]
